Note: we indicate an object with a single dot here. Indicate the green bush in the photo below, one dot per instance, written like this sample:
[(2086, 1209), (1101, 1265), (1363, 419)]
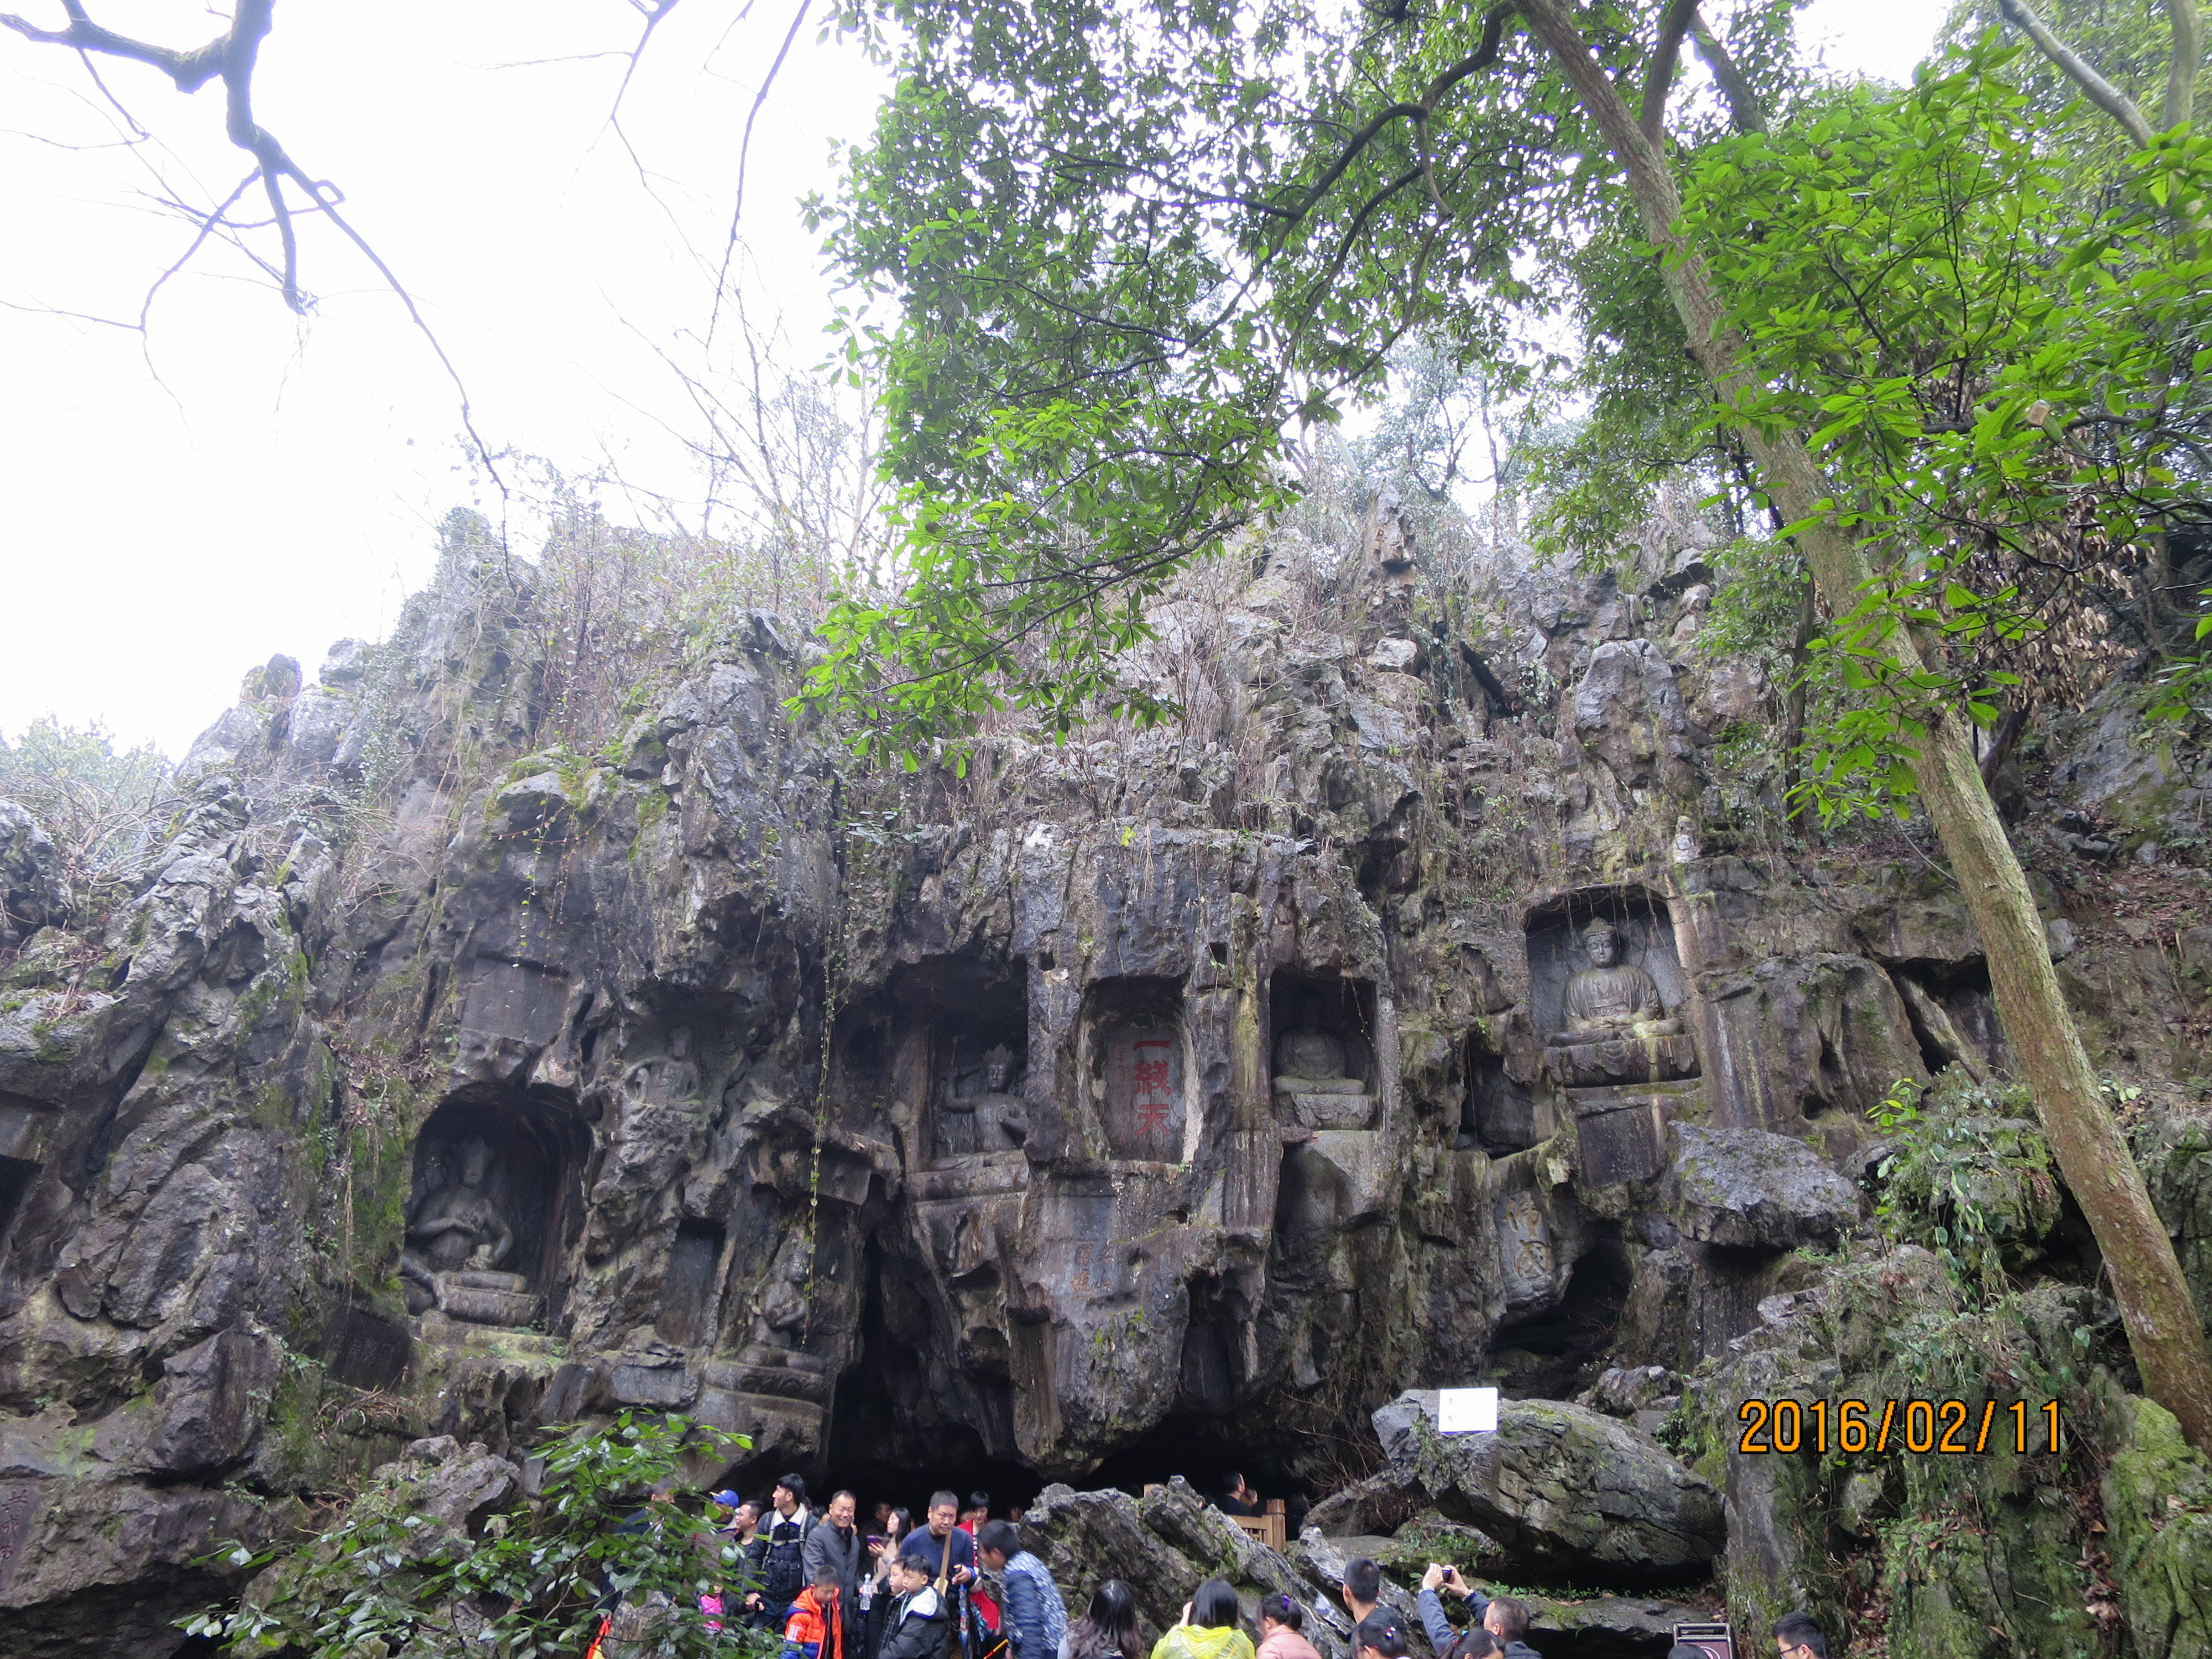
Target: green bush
[(387, 1580), (1968, 1175)]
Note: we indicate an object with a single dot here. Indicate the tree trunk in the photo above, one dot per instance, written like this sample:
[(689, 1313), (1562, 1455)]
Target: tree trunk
[(2162, 1326)]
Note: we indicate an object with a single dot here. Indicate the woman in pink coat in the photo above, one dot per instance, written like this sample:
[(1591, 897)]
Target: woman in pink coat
[(1282, 1625)]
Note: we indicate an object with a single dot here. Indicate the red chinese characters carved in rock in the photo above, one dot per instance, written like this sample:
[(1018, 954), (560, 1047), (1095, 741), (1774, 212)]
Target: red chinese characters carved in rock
[(1154, 1103)]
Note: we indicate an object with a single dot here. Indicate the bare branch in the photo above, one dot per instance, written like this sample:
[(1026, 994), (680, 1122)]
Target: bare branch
[(232, 56), (745, 155), (1746, 113), (2100, 91), (1659, 75)]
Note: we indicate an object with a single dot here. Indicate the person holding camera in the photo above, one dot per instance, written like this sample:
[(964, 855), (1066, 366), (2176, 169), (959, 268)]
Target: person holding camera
[(1505, 1618)]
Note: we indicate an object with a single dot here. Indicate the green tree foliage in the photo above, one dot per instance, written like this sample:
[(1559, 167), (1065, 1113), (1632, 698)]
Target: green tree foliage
[(93, 801), (2010, 393), (384, 1579), (1134, 252)]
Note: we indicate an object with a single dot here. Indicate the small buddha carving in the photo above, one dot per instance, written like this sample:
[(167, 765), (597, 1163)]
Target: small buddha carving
[(454, 1227), (784, 1306), (993, 1120), (671, 1080), (1311, 1061), (1611, 1000)]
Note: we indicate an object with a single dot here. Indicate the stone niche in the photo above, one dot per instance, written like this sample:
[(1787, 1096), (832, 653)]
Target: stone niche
[(689, 1288), (497, 1195), (1320, 1051), (970, 1016), (1607, 1023), (1610, 1003), (1137, 1068)]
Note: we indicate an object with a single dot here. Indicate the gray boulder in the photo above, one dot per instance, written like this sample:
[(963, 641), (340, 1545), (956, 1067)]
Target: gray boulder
[(1163, 1546), (1752, 1189), (1629, 714), (213, 1397), (1567, 1492)]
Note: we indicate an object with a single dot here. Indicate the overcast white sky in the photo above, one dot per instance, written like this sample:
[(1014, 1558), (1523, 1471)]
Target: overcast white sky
[(239, 483)]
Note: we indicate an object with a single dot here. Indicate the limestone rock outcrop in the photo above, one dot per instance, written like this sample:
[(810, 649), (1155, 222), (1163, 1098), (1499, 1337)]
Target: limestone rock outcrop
[(446, 1065), (1562, 1489)]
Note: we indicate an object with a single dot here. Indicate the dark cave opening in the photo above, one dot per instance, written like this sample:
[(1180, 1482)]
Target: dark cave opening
[(1553, 1354), (1203, 1450)]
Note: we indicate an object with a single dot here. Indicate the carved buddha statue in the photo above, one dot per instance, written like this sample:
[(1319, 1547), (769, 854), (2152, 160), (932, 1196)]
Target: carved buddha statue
[(1311, 1061), (454, 1227), (1611, 1000), (993, 1120)]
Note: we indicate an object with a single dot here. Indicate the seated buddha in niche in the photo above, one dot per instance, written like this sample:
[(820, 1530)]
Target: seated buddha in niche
[(455, 1242), (1311, 1061), (1611, 1000)]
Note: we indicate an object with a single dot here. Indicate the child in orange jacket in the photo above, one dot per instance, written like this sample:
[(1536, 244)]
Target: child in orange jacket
[(816, 1628)]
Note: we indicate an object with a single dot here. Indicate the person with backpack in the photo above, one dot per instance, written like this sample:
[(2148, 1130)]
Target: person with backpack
[(1211, 1626), (1034, 1618), (783, 1566)]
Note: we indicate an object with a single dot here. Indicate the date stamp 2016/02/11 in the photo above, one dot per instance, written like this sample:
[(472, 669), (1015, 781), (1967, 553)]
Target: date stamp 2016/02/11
[(1955, 1428)]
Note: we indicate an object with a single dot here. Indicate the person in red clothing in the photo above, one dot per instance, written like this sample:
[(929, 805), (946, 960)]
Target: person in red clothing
[(814, 1631)]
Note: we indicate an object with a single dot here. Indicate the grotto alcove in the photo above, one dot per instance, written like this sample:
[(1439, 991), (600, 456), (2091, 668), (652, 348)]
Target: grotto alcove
[(497, 1195), (1136, 1069), (1611, 1008), (964, 1030), (1321, 1050), (1500, 1112)]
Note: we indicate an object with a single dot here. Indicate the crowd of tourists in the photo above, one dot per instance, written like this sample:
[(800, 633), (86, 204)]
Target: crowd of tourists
[(961, 1582)]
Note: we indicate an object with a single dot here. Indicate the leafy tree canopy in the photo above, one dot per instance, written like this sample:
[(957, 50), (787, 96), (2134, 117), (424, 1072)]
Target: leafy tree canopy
[(1130, 251)]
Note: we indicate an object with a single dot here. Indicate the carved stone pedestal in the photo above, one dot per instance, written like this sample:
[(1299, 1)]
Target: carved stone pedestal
[(1624, 1060), (486, 1298), (1305, 1105), (1622, 1131)]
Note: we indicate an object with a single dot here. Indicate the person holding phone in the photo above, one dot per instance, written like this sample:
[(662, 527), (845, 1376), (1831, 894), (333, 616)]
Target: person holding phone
[(1505, 1618)]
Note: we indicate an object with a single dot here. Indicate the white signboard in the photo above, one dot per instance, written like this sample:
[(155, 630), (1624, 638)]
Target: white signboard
[(1467, 1411)]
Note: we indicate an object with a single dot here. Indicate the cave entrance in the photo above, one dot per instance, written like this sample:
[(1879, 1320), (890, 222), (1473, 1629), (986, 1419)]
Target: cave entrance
[(1205, 1451), (1555, 1353)]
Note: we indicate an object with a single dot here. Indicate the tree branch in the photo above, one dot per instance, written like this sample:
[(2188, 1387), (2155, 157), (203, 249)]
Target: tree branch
[(1745, 113), (2181, 71), (2101, 92), (745, 155), (1659, 74)]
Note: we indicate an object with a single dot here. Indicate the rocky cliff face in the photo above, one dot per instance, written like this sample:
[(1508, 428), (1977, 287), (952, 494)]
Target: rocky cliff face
[(1152, 1104)]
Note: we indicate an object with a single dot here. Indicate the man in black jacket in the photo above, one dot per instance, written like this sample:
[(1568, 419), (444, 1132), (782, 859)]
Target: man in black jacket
[(783, 1571)]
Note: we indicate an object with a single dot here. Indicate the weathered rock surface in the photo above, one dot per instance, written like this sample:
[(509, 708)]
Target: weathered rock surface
[(907, 1122), (1752, 1190), (1564, 1489)]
